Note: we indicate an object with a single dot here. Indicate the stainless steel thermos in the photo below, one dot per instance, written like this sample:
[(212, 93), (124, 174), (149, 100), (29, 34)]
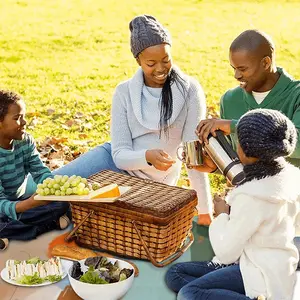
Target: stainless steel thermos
[(226, 159)]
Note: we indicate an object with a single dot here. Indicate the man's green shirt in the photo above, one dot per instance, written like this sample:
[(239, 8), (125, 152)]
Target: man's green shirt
[(284, 96)]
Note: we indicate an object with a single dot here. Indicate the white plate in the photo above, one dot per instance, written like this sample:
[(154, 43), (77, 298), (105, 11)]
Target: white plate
[(4, 276), (85, 198)]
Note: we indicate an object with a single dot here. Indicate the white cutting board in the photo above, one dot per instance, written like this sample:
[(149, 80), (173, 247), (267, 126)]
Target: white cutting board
[(84, 198)]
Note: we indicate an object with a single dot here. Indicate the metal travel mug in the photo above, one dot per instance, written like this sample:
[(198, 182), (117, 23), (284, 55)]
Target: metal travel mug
[(193, 153)]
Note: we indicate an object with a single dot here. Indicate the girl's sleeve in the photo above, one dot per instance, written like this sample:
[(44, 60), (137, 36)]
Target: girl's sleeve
[(123, 154), (229, 233), (196, 111)]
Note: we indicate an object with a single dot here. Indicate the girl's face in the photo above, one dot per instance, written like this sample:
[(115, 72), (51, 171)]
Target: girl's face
[(245, 160), (12, 127), (156, 63)]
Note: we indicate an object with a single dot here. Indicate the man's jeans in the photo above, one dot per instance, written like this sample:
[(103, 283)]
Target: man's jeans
[(206, 280)]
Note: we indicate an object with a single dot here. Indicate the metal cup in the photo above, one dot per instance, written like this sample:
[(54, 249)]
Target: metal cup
[(193, 153)]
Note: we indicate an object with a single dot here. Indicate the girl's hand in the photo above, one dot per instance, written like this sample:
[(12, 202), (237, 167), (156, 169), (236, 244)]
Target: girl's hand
[(159, 159), (220, 206), (207, 166)]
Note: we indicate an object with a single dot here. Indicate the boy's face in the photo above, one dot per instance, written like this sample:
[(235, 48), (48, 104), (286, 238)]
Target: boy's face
[(12, 127)]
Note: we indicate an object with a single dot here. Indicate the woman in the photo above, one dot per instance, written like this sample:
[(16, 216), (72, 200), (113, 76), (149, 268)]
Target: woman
[(152, 114)]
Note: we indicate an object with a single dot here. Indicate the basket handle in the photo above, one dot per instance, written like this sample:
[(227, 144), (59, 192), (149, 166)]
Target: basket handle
[(69, 236), (169, 259)]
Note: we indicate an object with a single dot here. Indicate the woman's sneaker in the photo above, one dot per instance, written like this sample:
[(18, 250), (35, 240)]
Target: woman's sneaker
[(64, 222)]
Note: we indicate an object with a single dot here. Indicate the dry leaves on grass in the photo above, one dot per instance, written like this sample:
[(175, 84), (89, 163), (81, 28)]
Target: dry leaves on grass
[(55, 153)]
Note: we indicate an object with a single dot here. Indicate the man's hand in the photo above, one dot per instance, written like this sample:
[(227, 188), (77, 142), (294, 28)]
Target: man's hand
[(205, 127), (29, 203), (159, 159), (220, 206)]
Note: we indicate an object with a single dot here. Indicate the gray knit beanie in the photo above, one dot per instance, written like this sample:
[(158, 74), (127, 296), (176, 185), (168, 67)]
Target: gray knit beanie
[(266, 134), (146, 31)]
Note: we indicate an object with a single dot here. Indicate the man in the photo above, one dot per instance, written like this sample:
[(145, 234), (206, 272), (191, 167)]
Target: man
[(262, 85)]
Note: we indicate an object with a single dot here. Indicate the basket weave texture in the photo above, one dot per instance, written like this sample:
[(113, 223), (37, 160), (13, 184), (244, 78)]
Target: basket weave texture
[(161, 214)]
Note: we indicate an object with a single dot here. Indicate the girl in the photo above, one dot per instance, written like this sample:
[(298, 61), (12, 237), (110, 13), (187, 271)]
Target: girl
[(252, 236), (152, 114)]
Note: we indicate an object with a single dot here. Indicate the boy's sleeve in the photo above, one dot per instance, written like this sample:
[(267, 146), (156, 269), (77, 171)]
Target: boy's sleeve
[(7, 207), (35, 166)]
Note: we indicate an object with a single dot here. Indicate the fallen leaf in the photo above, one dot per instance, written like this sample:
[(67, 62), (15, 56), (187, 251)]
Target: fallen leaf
[(79, 143), (88, 125), (69, 123), (65, 127), (77, 121), (55, 163), (78, 115), (82, 135), (56, 155), (33, 123), (33, 114), (50, 111)]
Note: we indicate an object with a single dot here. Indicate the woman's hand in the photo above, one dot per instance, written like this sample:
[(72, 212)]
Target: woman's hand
[(29, 203), (220, 206), (159, 159), (208, 126)]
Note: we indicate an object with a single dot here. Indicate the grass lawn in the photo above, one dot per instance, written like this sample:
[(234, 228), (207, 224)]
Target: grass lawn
[(66, 56)]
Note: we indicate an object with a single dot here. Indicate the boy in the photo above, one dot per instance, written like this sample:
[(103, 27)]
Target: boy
[(22, 217)]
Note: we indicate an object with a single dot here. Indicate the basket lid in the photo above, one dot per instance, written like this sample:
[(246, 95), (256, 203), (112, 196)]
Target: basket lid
[(146, 196)]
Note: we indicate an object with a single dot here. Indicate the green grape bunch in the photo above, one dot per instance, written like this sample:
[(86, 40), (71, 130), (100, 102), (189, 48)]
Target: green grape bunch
[(63, 185)]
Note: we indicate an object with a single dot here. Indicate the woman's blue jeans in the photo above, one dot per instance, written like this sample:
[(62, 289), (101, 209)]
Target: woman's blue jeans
[(91, 162), (207, 281)]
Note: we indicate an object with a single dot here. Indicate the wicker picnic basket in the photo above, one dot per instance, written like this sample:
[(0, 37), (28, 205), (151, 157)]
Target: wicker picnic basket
[(151, 221)]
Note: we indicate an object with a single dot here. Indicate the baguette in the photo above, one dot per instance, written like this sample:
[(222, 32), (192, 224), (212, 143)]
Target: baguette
[(72, 252)]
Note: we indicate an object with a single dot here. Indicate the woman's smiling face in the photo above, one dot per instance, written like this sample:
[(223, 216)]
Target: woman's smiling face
[(156, 63)]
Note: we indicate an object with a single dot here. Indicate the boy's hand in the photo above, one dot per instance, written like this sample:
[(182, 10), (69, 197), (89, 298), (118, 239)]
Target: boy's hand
[(205, 127), (29, 203), (159, 159), (220, 206)]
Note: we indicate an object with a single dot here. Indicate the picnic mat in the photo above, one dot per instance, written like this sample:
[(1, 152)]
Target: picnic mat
[(68, 294), (71, 251), (150, 284)]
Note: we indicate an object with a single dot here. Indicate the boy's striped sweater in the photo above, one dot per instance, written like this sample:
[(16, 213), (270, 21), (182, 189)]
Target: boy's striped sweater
[(15, 165)]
